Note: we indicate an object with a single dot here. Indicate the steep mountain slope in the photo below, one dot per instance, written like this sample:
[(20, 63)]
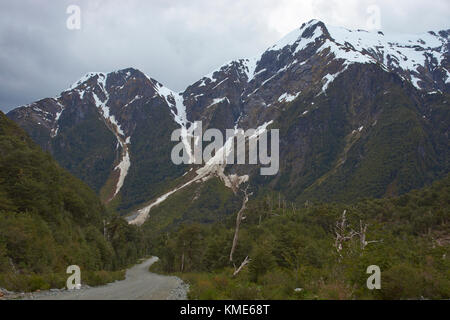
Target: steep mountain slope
[(360, 114), (50, 219), (373, 141), (309, 59), (111, 130)]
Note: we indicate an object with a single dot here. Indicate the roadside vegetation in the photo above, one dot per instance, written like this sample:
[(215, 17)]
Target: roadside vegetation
[(50, 220), (317, 251)]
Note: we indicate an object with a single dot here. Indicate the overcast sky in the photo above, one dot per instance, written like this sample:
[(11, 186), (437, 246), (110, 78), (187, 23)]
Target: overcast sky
[(174, 41)]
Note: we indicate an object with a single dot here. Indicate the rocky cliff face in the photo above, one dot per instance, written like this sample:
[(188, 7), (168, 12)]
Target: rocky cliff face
[(360, 114), (308, 60), (96, 127)]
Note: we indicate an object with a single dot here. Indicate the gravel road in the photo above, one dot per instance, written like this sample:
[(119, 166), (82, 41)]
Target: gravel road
[(140, 284)]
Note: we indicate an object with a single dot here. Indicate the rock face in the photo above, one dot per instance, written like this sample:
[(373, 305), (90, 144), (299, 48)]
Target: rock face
[(307, 61), (360, 114), (107, 129)]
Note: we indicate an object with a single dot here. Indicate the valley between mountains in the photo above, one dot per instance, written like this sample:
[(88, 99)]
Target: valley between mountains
[(332, 92), (364, 124)]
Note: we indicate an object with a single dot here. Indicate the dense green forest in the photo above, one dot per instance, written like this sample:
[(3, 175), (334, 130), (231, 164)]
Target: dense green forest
[(294, 252), (50, 220)]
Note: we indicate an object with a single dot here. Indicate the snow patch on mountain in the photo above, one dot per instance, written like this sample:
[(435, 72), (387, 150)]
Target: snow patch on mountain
[(125, 162), (55, 129), (176, 101), (267, 80), (81, 94), (220, 83), (218, 100), (329, 78), (137, 97), (292, 37), (304, 42), (393, 52), (123, 166), (405, 51), (214, 167), (258, 73), (142, 214), (85, 78), (286, 97), (249, 67)]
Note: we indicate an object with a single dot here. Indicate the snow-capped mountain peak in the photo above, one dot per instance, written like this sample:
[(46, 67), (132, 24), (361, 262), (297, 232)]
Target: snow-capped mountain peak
[(420, 59), (127, 114)]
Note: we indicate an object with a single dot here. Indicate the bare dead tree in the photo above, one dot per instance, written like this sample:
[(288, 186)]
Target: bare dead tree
[(362, 235), (343, 233), (105, 229), (239, 218), (182, 257), (243, 264), (12, 265)]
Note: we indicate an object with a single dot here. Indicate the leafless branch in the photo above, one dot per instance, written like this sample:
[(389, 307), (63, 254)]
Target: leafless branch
[(342, 234), (362, 235), (243, 264), (240, 217)]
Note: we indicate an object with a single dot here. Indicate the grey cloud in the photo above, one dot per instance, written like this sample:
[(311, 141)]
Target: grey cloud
[(175, 42)]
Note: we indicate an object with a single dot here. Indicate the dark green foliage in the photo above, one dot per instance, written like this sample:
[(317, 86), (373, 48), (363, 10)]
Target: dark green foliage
[(85, 146), (402, 144), (294, 248), (206, 202), (50, 219), (262, 261), (152, 171)]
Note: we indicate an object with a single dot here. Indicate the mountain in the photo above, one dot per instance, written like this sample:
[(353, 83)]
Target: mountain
[(361, 114), (310, 58), (49, 220)]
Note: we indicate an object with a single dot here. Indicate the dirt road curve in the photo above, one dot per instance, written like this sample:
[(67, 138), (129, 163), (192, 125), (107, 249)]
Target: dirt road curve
[(139, 284)]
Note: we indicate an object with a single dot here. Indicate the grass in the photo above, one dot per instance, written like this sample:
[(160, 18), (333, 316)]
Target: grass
[(34, 282)]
